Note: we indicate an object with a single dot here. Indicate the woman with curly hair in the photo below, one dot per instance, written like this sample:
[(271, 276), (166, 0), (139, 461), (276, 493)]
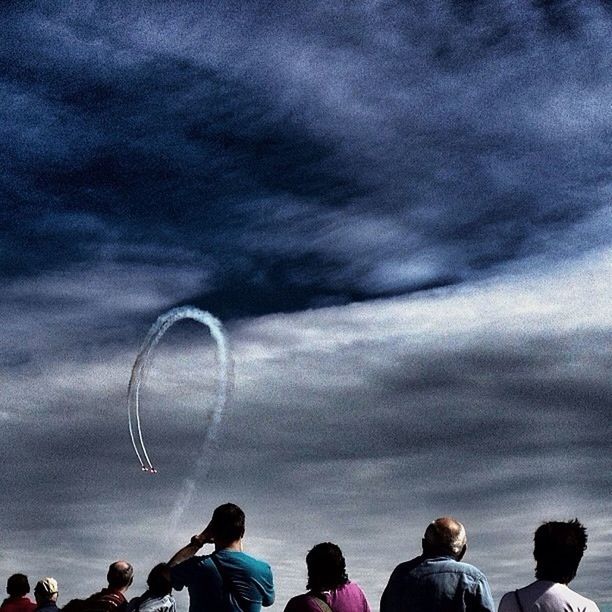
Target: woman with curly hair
[(329, 589)]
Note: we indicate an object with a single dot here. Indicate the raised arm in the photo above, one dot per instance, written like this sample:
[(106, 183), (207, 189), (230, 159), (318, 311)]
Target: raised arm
[(197, 541)]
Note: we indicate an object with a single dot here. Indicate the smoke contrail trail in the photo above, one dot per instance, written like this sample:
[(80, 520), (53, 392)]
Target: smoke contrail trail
[(159, 328)]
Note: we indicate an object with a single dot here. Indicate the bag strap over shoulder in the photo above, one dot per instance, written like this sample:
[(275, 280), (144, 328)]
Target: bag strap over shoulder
[(323, 605), (226, 583)]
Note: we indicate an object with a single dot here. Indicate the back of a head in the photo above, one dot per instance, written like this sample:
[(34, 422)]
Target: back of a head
[(445, 537), (558, 549), (17, 585), (227, 523), (159, 581), (326, 567), (120, 575), (46, 590)]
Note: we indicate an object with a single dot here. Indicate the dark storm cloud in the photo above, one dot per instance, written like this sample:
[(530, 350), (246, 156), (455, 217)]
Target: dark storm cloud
[(256, 159), (312, 156)]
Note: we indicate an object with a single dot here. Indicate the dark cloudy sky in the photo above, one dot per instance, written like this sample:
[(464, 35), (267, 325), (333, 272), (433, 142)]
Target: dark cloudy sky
[(401, 212)]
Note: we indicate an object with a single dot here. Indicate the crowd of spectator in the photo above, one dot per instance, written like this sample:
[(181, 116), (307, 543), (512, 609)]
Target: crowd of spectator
[(230, 580)]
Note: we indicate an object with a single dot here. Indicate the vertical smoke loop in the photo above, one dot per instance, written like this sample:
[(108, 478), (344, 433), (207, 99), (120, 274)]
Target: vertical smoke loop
[(158, 329)]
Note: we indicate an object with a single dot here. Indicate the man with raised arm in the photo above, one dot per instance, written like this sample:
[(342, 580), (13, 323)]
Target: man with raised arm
[(227, 580), (558, 549), (437, 580)]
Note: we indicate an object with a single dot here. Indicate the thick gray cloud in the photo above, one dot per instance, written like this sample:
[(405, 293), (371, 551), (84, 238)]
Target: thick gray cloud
[(311, 156), (356, 424)]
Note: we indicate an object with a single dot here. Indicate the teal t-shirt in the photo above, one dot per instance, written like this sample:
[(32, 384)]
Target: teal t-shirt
[(226, 581)]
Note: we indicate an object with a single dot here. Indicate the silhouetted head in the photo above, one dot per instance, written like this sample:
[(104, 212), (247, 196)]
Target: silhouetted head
[(46, 591), (227, 524), (326, 567), (445, 537), (17, 585), (558, 549), (159, 581), (120, 575)]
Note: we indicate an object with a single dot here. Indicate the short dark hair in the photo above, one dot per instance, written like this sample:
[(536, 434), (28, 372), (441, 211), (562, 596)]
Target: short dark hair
[(17, 585), (227, 523), (558, 549), (159, 581), (120, 575), (326, 567)]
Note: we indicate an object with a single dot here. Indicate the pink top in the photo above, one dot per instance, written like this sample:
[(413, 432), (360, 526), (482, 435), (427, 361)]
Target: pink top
[(347, 598)]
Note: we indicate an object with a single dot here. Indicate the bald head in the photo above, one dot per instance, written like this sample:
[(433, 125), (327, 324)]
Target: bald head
[(120, 575), (445, 537)]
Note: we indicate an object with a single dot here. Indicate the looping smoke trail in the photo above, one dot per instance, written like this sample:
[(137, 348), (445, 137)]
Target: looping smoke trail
[(159, 328)]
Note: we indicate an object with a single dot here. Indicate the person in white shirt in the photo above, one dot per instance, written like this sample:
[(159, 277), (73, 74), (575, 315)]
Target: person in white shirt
[(558, 549), (158, 597)]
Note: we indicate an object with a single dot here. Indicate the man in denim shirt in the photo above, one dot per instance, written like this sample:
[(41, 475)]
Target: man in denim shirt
[(437, 581)]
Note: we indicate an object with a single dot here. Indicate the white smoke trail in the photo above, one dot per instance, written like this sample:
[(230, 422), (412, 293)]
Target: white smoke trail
[(159, 328)]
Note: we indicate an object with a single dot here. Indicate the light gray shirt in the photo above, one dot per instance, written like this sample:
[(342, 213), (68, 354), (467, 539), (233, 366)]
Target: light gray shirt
[(546, 596), (153, 604)]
